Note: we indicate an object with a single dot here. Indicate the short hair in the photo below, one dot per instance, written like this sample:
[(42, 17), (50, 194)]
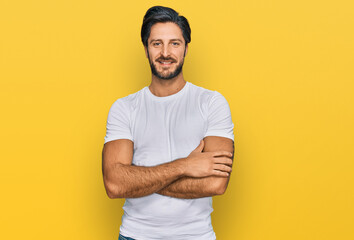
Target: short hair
[(159, 14)]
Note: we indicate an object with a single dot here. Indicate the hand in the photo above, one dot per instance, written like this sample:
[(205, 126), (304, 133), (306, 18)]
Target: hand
[(204, 164)]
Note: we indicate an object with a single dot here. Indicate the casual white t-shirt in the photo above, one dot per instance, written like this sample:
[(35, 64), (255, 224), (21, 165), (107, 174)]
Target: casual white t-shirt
[(164, 129)]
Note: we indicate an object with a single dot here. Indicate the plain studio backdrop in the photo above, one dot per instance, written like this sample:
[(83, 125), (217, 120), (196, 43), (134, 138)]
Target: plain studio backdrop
[(285, 67)]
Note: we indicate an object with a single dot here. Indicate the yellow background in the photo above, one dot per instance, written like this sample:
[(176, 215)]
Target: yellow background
[(285, 67)]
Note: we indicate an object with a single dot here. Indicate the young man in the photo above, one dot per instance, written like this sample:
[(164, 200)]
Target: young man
[(168, 147)]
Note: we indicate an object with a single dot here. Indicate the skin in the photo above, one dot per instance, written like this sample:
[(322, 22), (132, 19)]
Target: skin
[(212, 185), (166, 41), (205, 172)]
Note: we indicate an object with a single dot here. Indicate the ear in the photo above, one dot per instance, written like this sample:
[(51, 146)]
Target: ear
[(186, 50)]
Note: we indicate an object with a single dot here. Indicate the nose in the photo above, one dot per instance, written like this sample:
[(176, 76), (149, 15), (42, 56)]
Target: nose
[(165, 52)]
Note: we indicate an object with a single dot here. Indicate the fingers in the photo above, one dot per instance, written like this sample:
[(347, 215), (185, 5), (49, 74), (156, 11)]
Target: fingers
[(220, 173), (222, 167), (221, 153), (223, 160)]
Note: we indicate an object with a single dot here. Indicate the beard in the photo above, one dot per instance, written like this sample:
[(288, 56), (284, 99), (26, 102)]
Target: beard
[(170, 75)]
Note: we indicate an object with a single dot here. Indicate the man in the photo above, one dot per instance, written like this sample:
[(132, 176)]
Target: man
[(168, 147)]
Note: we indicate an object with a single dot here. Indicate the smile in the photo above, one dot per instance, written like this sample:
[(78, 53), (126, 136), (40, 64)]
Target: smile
[(165, 63)]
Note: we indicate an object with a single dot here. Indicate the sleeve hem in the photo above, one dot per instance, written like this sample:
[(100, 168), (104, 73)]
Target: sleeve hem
[(112, 138), (216, 134)]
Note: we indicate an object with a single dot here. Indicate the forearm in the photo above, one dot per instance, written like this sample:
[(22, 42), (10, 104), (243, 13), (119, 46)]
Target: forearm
[(187, 187), (123, 180), (129, 181)]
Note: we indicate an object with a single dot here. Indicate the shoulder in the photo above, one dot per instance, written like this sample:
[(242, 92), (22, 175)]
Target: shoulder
[(205, 95), (128, 102)]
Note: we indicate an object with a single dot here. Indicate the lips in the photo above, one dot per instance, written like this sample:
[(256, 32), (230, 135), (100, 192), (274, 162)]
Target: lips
[(165, 62)]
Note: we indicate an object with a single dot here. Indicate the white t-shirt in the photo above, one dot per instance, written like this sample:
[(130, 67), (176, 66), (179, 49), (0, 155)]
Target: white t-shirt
[(164, 129)]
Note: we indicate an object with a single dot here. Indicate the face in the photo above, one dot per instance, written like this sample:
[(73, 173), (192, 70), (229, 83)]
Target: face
[(166, 50)]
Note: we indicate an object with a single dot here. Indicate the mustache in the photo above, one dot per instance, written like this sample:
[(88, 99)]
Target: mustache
[(166, 59)]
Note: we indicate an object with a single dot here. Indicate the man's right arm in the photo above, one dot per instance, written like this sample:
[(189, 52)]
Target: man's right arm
[(123, 180)]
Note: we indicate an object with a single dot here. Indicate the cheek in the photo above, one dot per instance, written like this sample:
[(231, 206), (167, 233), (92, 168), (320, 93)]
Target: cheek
[(153, 53), (180, 54)]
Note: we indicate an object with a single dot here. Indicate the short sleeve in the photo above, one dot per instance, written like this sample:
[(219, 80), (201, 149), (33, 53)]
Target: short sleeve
[(118, 122), (219, 118)]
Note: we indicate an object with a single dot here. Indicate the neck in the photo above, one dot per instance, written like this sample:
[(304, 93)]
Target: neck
[(163, 88)]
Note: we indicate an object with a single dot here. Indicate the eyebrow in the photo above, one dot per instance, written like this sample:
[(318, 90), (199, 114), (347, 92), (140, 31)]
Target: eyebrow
[(175, 39)]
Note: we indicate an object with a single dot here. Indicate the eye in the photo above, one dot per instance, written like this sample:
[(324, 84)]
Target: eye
[(156, 44), (175, 43)]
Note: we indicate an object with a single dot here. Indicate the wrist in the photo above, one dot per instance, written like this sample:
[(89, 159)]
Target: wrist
[(181, 166)]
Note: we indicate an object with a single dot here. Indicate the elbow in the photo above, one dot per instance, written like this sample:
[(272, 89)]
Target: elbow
[(112, 190), (111, 194), (220, 191), (219, 188)]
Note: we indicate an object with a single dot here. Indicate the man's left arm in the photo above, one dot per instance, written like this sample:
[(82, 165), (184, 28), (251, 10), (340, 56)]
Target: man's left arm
[(189, 187)]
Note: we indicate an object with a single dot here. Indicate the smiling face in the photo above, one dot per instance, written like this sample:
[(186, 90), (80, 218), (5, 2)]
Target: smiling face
[(166, 50)]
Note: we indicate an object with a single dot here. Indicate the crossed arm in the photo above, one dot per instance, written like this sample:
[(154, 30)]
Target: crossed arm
[(205, 172), (189, 187)]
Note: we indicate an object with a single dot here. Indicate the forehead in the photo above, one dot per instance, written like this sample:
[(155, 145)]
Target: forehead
[(165, 31)]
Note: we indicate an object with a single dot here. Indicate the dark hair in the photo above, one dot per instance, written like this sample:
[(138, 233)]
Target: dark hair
[(159, 14)]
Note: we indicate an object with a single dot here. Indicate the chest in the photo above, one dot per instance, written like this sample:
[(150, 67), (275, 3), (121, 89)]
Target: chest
[(167, 131)]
